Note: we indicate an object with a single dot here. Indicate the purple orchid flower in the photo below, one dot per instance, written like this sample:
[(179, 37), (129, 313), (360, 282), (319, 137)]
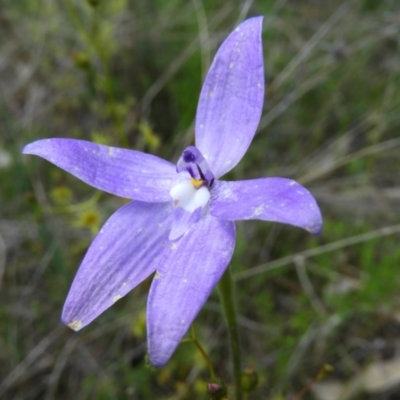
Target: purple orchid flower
[(181, 222)]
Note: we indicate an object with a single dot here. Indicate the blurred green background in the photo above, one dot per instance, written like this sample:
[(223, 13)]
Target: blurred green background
[(128, 73)]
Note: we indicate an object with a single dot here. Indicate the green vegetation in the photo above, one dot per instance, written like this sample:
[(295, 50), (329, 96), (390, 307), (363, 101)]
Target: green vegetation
[(128, 73)]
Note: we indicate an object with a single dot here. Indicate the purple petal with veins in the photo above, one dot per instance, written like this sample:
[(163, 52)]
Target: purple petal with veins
[(125, 173), (269, 199), (231, 99), (182, 220), (192, 267), (126, 251)]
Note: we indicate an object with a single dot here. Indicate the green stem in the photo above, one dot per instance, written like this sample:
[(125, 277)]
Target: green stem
[(193, 340), (228, 304)]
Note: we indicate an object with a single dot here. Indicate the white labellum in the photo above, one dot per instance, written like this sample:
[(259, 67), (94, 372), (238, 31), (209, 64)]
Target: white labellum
[(185, 195)]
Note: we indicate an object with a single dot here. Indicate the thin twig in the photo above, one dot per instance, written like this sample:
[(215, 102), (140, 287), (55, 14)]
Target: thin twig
[(194, 340), (176, 64), (3, 252), (204, 36), (308, 288), (309, 46), (59, 366), (340, 162), (31, 358), (284, 261)]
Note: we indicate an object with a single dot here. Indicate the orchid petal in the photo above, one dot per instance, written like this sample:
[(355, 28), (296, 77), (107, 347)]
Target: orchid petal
[(270, 199), (182, 220), (190, 270), (126, 251), (126, 173), (231, 99)]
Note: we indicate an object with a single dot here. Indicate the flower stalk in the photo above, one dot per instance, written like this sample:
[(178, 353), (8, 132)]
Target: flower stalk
[(199, 347), (225, 287)]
